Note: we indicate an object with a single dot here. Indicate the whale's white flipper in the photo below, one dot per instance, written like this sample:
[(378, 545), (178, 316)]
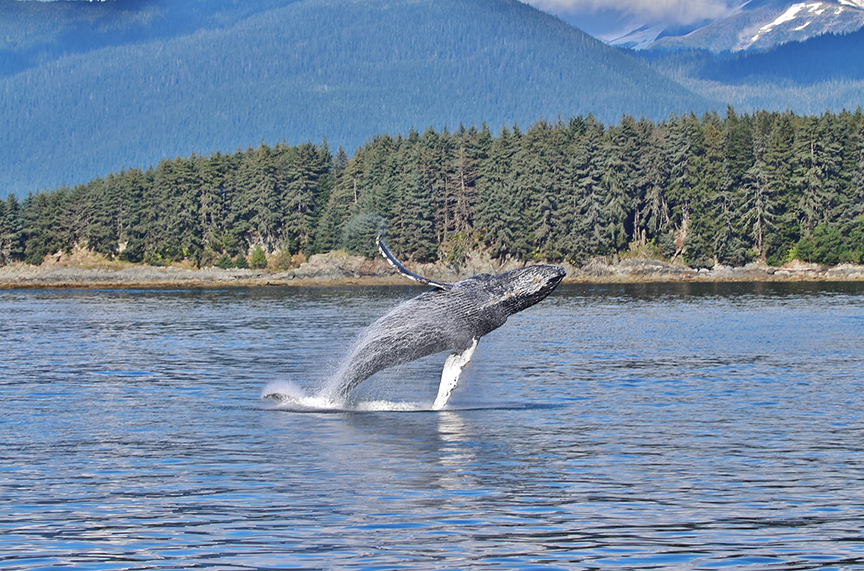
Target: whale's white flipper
[(450, 375)]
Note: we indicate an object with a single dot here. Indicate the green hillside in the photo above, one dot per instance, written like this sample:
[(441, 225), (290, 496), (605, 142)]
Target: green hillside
[(340, 69), (33, 32)]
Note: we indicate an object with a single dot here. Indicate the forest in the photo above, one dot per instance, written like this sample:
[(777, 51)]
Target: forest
[(716, 189)]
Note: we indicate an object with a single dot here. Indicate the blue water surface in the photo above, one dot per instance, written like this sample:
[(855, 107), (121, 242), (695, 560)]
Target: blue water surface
[(690, 426)]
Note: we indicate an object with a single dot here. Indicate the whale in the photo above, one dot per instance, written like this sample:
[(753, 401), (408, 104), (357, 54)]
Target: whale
[(451, 316)]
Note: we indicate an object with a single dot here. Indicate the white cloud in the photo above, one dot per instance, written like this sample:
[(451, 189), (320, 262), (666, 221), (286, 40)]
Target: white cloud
[(666, 11)]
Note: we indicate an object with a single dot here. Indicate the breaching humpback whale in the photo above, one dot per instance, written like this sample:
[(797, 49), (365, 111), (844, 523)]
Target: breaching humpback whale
[(449, 317)]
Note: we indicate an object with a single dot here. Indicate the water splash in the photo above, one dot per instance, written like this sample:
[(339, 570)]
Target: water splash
[(290, 396), (293, 397)]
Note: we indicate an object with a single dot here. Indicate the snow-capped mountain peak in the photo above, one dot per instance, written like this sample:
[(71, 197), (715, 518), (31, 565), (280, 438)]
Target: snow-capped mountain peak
[(760, 24), (799, 21), (797, 13)]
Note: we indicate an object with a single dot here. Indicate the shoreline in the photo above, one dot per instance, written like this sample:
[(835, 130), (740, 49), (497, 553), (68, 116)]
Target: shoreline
[(339, 269)]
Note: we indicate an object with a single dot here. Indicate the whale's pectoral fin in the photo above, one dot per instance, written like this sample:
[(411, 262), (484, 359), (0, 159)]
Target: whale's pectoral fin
[(450, 374), (405, 271)]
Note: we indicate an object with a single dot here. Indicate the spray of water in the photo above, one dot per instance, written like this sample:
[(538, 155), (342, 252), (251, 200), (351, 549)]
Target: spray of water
[(290, 396)]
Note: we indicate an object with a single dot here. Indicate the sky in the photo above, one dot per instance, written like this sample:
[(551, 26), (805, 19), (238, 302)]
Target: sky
[(609, 19)]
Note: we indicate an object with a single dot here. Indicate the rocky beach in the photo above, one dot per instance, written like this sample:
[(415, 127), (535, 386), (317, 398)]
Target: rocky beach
[(340, 269)]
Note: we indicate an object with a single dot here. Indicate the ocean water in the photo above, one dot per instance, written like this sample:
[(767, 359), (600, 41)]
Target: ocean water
[(689, 426)]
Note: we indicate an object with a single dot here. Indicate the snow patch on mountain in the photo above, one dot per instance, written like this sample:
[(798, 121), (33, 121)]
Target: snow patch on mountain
[(761, 24), (789, 15), (803, 20), (639, 38)]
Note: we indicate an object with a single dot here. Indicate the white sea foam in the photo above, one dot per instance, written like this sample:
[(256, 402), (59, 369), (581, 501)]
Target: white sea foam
[(290, 396), (388, 406)]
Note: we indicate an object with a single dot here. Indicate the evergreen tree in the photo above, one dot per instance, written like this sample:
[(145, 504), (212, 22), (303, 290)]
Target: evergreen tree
[(412, 226), (496, 197), (257, 259), (543, 185), (680, 135), (781, 179), (138, 208), (42, 214), (652, 178), (258, 215), (305, 190), (12, 239), (342, 199), (855, 206), (376, 189), (738, 148), (706, 166), (758, 200), (176, 187), (620, 151), (217, 195), (413, 230), (588, 234), (94, 215), (810, 178), (462, 178)]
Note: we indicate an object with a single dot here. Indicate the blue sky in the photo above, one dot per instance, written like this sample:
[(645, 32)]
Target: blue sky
[(609, 19)]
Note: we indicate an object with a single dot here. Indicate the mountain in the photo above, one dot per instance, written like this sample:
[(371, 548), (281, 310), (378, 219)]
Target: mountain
[(825, 58), (756, 25), (806, 77), (645, 36), (97, 87), (34, 32)]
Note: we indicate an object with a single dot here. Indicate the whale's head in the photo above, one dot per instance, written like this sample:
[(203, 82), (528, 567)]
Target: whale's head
[(518, 289)]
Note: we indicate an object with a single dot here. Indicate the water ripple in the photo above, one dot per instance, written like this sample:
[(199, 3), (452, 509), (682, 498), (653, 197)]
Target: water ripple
[(680, 426)]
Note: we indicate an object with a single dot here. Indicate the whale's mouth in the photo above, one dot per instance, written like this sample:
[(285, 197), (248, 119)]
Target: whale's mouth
[(556, 280), (529, 285), (555, 275)]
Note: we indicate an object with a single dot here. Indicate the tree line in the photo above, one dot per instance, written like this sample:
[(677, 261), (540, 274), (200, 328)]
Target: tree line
[(704, 190)]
